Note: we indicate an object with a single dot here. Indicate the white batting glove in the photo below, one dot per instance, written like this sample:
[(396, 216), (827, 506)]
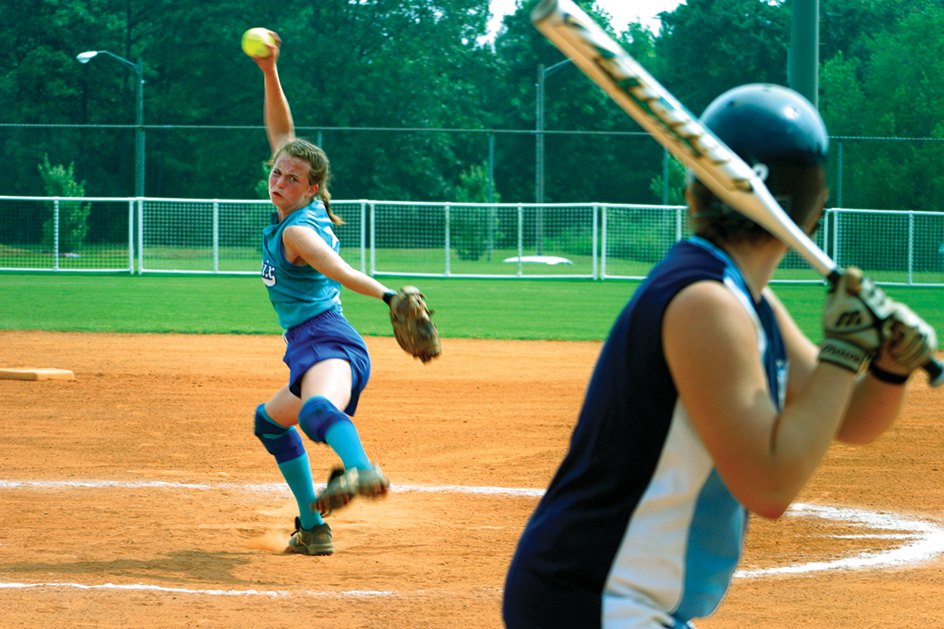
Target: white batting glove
[(854, 308), (909, 341)]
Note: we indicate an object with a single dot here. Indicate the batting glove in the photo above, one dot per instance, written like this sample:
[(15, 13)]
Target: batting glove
[(909, 341), (854, 309)]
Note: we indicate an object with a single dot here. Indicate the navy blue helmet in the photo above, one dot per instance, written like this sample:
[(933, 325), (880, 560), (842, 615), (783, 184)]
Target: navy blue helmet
[(781, 136)]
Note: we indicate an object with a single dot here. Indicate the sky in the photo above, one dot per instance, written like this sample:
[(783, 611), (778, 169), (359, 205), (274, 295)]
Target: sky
[(623, 11)]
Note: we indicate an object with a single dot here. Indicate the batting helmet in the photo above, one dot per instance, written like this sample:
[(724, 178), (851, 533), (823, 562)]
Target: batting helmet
[(782, 137)]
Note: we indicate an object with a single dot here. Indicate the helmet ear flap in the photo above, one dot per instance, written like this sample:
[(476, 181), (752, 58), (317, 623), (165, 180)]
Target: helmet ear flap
[(800, 190)]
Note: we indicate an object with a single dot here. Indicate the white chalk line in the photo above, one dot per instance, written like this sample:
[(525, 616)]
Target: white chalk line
[(157, 588), (253, 487), (924, 538)]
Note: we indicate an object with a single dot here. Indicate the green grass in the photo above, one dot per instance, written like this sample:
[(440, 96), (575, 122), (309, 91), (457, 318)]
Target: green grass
[(90, 258), (465, 308)]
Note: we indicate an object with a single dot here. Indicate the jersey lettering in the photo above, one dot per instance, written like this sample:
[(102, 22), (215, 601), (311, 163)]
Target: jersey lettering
[(268, 273)]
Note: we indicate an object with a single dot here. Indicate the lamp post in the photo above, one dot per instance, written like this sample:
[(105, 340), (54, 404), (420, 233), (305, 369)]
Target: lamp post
[(803, 55), (543, 73), (85, 57)]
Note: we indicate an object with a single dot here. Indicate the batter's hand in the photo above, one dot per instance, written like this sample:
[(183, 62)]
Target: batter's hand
[(909, 341), (854, 309)]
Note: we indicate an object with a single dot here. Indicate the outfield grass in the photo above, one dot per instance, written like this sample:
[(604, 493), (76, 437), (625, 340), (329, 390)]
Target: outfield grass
[(465, 308)]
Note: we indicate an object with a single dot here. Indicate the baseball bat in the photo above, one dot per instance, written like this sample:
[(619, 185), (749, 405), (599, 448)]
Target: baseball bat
[(637, 92)]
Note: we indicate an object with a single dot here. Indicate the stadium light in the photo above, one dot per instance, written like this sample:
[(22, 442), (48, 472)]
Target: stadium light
[(539, 149), (87, 56)]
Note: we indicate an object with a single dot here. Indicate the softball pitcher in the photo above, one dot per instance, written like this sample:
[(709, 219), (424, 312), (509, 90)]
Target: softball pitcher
[(328, 361)]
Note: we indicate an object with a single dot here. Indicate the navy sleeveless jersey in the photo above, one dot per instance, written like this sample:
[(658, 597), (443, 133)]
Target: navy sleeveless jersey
[(637, 529)]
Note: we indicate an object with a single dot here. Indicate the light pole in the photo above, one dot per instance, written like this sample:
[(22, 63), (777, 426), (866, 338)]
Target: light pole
[(539, 149), (803, 55), (138, 116)]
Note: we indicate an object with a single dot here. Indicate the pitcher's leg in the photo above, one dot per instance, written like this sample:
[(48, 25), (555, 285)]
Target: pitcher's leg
[(312, 536)]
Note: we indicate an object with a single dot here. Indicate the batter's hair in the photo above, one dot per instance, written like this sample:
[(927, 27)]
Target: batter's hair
[(713, 220), (318, 173)]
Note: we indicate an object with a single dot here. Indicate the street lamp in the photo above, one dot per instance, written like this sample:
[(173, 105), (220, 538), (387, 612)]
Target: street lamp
[(539, 149), (85, 57)]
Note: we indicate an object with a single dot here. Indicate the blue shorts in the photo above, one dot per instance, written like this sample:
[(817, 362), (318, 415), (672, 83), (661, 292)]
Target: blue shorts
[(329, 335)]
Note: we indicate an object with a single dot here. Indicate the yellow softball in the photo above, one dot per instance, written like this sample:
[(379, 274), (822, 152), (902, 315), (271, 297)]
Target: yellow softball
[(255, 40)]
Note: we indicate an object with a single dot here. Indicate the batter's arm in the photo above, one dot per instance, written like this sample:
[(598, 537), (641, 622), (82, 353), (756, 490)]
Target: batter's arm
[(874, 404), (764, 456)]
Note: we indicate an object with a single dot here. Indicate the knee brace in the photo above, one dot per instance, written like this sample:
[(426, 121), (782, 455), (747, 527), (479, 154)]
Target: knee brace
[(283, 443), (317, 416)]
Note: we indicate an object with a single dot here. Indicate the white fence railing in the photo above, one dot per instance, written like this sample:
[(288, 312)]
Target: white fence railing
[(593, 240)]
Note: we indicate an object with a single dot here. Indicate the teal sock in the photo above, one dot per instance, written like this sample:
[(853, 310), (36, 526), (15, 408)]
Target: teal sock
[(343, 438), (297, 473)]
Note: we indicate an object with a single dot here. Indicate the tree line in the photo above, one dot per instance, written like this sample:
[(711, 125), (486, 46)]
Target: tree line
[(351, 69)]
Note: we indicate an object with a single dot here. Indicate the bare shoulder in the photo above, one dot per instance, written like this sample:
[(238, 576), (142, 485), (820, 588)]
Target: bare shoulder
[(297, 235), (703, 306), (296, 232), (706, 322), (302, 245), (710, 341)]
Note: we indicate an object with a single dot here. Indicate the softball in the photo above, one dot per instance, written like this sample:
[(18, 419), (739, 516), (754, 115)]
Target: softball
[(255, 40)]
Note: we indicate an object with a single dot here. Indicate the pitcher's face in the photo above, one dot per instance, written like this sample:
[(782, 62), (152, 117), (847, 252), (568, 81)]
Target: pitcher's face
[(289, 189)]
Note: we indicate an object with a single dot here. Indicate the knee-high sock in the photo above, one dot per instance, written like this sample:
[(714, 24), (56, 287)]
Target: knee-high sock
[(322, 421), (289, 452), (297, 473), (343, 439)]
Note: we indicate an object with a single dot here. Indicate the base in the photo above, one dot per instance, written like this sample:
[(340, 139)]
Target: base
[(36, 374)]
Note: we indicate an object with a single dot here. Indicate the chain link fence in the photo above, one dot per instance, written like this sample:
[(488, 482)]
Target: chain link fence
[(421, 165), (588, 240), (490, 203), (429, 165), (68, 234)]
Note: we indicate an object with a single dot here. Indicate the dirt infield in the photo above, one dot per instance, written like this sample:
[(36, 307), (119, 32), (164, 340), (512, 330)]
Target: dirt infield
[(137, 495)]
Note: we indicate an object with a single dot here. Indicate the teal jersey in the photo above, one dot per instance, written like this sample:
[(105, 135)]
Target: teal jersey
[(299, 293)]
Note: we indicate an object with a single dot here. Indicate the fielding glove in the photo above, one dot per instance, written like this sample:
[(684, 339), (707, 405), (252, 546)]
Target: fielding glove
[(412, 326)]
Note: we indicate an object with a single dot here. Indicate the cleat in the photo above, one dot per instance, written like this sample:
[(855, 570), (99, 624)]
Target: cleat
[(316, 541), (344, 485)]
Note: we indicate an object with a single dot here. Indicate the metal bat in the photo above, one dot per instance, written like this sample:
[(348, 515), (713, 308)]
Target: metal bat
[(608, 65)]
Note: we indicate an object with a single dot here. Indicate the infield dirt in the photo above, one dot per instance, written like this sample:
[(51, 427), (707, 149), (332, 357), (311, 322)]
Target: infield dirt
[(137, 496)]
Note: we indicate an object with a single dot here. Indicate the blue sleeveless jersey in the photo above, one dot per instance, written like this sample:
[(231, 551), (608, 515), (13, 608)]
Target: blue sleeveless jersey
[(637, 529), (299, 293)]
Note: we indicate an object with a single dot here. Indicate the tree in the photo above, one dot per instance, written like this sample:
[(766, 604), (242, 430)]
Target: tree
[(709, 46), (578, 166), (373, 63), (890, 92), (676, 187), (352, 68), (847, 26), (386, 63), (474, 229), (69, 224)]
